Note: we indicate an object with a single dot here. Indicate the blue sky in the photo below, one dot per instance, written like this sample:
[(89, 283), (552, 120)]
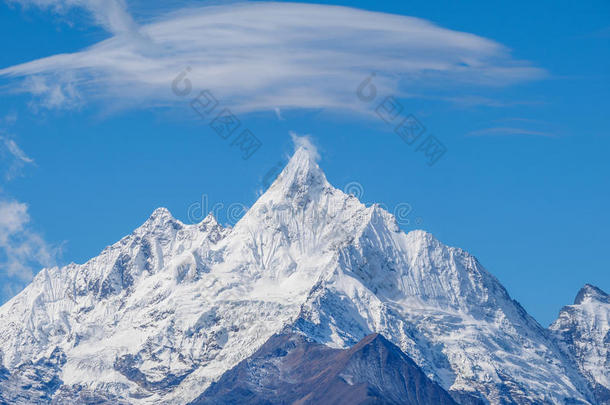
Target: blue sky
[(93, 139)]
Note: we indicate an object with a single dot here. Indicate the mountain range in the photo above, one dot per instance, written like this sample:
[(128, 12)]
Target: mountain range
[(311, 298)]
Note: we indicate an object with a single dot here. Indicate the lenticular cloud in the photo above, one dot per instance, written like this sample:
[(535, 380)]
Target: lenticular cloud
[(264, 56)]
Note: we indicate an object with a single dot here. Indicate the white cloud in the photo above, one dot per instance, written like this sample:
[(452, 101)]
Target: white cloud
[(21, 248), (305, 142), (278, 114), (16, 151), (261, 56), (13, 217), (13, 158), (52, 93), (112, 15), (9, 119)]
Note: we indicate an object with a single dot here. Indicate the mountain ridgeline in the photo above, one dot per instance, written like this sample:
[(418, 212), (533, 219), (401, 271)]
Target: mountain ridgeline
[(311, 298)]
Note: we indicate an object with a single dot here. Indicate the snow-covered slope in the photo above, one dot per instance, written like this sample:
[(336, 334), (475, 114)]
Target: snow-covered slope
[(168, 309), (584, 329)]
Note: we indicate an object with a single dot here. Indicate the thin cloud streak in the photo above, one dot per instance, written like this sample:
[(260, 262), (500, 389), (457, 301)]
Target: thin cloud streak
[(509, 131), (16, 151), (14, 158), (262, 56)]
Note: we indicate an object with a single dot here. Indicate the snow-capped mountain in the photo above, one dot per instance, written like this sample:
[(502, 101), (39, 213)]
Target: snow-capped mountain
[(166, 311), (584, 329)]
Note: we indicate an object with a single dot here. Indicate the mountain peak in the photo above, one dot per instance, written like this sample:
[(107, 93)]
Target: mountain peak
[(591, 293), (301, 174), (210, 220), (209, 223), (160, 212), (160, 218)]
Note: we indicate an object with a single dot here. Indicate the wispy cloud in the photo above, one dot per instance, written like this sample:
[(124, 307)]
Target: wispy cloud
[(52, 92), (305, 142), (509, 131), (522, 120), (262, 56), (468, 101), (16, 151), (9, 119), (278, 114), (13, 158), (22, 250), (112, 15)]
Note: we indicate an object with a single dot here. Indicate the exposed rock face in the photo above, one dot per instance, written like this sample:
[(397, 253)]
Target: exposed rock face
[(289, 369)]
